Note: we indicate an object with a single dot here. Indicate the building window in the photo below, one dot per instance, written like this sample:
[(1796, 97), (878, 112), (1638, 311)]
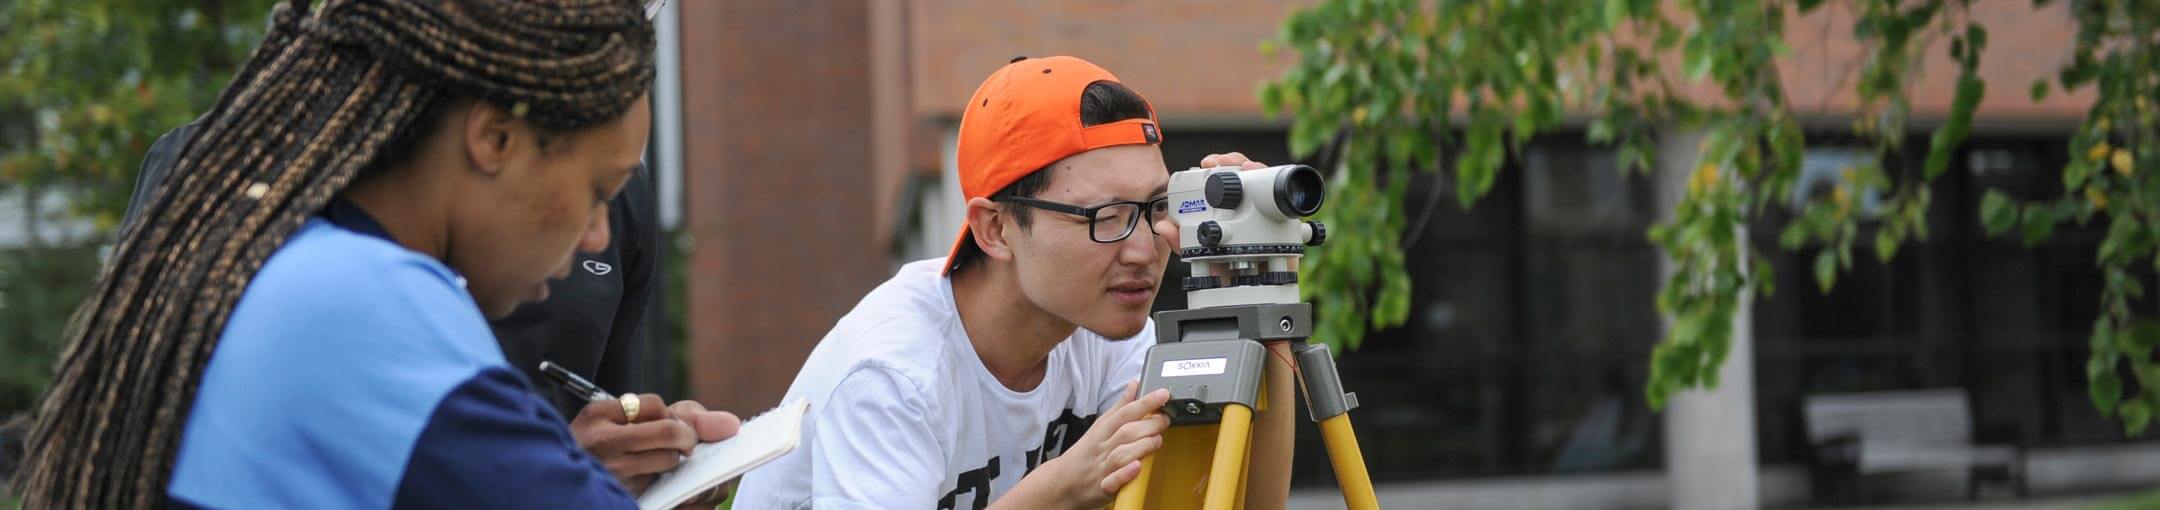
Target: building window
[(1530, 324), (2003, 321)]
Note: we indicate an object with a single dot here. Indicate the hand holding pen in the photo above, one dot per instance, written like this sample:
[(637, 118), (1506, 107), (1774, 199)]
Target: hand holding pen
[(637, 436)]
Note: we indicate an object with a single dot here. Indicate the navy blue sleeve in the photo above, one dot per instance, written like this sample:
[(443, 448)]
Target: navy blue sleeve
[(492, 444)]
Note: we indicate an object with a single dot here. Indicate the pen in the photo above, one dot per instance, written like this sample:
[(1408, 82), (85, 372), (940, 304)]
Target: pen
[(574, 384)]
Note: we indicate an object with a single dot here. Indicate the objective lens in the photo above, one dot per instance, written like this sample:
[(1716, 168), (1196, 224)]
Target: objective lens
[(1299, 191)]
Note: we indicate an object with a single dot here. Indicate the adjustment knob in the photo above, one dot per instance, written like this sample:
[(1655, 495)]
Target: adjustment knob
[(1225, 191), (1268, 278), (1193, 283), (1319, 233), (1210, 233)]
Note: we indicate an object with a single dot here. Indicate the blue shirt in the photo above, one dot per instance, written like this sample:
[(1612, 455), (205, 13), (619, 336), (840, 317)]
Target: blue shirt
[(354, 373)]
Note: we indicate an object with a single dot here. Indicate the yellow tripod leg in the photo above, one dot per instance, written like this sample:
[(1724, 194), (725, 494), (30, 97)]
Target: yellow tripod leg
[(1133, 496), (1176, 475), (1261, 405), (1192, 471), (1228, 471), (1243, 477), (1349, 462)]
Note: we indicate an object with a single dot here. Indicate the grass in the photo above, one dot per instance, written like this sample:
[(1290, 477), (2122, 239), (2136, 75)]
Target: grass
[(2141, 501)]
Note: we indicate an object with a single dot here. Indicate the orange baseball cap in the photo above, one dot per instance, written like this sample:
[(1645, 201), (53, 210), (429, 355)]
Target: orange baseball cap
[(1027, 116)]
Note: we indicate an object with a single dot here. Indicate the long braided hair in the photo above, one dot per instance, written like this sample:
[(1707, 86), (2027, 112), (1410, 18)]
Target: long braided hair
[(332, 90)]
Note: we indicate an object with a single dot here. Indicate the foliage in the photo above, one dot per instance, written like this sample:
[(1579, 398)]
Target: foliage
[(38, 290), (85, 87), (2115, 56), (1385, 85)]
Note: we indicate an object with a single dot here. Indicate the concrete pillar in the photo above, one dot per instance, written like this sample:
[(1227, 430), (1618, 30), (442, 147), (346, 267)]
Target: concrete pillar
[(1709, 435)]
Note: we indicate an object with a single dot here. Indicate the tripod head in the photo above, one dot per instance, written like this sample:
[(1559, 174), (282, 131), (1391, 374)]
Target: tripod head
[(1243, 231)]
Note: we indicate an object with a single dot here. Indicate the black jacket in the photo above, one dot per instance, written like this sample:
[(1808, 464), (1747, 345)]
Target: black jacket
[(591, 324)]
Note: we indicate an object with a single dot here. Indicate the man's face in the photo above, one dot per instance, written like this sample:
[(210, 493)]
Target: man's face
[(1106, 288), (526, 222)]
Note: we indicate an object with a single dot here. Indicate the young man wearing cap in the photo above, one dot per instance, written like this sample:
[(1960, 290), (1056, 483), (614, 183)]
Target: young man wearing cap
[(1002, 375)]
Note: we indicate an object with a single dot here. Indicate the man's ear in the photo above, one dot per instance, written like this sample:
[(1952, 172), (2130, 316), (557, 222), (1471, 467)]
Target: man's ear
[(987, 221), (490, 134)]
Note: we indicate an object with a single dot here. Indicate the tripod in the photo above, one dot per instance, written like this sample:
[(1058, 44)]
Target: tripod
[(1215, 366), (1243, 232), (1212, 361)]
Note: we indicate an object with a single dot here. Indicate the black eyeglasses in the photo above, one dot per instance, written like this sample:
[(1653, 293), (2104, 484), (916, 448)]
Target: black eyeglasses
[(1111, 222)]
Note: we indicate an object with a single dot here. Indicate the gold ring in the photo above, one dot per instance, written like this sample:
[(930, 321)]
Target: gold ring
[(630, 403)]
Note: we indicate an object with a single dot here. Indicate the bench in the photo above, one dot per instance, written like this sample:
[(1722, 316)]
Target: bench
[(1856, 435)]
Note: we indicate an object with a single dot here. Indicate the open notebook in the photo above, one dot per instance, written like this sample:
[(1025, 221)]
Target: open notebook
[(761, 440)]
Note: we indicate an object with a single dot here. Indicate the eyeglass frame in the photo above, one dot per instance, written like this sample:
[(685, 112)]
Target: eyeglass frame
[(1147, 210)]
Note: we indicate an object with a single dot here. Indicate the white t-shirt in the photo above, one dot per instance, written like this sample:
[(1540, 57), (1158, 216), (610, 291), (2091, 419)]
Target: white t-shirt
[(903, 414)]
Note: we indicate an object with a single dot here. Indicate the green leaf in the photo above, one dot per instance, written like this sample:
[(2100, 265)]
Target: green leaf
[(1473, 180), (1765, 275), (2143, 335), (1400, 144), (1616, 11), (1886, 245), (1698, 64), (2104, 387), (2075, 172), (1271, 99), (2039, 90), (1789, 143), (1826, 264), (1997, 213), (1526, 125), (1939, 148), (2102, 344), (2136, 413), (1665, 368), (2038, 224), (1794, 235), (1601, 131), (1952, 134), (1306, 137)]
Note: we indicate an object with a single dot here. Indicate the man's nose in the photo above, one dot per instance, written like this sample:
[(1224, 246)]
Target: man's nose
[(1142, 247)]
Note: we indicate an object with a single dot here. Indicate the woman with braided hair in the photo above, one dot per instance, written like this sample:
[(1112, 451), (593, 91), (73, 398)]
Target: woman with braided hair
[(298, 318)]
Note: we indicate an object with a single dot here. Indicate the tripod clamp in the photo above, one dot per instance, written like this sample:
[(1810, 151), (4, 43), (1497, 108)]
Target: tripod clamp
[(1324, 395), (1211, 357)]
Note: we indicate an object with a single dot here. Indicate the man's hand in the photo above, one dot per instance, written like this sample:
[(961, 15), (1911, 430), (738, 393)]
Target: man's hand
[(638, 450), (1108, 456), (1232, 159)]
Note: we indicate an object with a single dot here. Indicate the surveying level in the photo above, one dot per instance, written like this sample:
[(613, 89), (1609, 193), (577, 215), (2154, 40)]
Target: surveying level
[(1243, 232)]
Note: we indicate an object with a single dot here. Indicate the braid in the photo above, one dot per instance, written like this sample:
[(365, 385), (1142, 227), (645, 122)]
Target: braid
[(326, 95)]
